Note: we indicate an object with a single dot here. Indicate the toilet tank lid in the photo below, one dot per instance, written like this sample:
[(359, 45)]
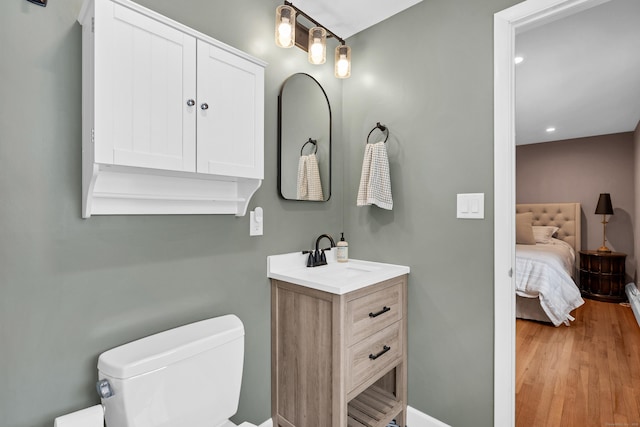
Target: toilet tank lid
[(164, 348)]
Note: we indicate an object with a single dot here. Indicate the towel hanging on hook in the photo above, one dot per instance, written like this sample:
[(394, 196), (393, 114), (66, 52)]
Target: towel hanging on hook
[(375, 180), (310, 141), (309, 186), (383, 128)]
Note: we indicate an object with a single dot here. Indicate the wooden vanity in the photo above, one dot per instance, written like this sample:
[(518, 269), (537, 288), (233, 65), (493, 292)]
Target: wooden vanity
[(339, 360)]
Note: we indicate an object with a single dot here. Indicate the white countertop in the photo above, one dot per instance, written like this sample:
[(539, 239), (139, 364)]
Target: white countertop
[(335, 277)]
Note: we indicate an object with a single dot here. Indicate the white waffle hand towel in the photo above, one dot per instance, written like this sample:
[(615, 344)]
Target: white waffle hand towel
[(375, 182), (309, 186)]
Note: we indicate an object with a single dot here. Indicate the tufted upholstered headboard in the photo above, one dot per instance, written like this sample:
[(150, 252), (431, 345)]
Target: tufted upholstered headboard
[(566, 216)]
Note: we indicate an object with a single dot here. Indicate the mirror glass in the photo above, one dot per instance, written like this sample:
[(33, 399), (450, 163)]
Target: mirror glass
[(304, 140)]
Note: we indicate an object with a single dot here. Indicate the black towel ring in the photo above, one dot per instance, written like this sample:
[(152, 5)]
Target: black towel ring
[(383, 128), (310, 141)]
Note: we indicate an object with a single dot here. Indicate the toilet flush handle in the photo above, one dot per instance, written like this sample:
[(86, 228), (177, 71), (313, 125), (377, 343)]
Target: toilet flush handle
[(104, 389)]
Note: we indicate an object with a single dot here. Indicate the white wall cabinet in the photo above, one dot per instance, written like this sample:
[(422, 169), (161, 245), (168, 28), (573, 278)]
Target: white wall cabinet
[(229, 128), (173, 120)]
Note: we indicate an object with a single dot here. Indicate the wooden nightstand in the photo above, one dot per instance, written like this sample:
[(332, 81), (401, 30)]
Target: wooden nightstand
[(602, 275)]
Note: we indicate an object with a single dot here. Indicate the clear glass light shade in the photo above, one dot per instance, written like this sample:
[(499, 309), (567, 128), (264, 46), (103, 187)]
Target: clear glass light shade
[(343, 62), (285, 26), (317, 45)]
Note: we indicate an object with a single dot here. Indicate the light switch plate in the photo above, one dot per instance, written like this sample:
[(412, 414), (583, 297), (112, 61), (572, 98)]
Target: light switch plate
[(470, 206)]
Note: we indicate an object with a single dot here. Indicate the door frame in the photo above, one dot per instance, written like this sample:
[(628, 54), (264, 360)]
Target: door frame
[(507, 23)]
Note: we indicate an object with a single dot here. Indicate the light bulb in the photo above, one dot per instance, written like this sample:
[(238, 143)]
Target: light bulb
[(317, 52), (317, 45), (285, 20), (284, 32), (343, 66)]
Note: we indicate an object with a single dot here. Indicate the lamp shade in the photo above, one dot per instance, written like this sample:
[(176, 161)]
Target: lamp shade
[(317, 45), (285, 26), (604, 206), (342, 68)]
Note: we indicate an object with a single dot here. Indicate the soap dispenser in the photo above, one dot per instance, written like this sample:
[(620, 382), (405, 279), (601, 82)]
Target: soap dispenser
[(343, 249)]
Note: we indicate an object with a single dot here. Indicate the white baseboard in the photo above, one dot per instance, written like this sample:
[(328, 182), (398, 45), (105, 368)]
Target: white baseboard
[(415, 418), (634, 299)]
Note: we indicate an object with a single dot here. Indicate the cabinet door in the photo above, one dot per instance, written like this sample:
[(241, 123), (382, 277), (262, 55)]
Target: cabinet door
[(144, 79), (230, 131)]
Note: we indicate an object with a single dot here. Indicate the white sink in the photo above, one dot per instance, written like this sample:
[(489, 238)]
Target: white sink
[(335, 277)]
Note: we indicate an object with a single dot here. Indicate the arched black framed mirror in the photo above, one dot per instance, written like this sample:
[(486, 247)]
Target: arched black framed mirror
[(304, 140)]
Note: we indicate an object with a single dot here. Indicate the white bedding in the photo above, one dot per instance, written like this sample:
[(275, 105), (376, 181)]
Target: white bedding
[(544, 271)]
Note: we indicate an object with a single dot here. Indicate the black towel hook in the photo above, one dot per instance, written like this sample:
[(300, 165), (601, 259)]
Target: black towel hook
[(310, 141), (383, 128)]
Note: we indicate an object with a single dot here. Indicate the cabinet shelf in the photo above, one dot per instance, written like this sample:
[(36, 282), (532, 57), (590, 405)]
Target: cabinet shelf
[(167, 197), (136, 191), (374, 407)]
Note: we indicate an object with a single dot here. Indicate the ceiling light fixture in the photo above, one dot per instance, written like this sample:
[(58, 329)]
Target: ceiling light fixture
[(313, 40), (518, 59), (550, 129)]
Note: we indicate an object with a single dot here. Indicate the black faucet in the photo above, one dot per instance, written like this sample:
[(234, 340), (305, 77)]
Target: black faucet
[(318, 257)]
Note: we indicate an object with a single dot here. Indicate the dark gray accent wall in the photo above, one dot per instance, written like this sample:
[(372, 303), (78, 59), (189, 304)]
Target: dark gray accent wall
[(578, 170), (73, 288), (427, 73)]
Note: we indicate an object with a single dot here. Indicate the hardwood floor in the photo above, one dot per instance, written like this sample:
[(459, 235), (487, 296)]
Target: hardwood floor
[(587, 374)]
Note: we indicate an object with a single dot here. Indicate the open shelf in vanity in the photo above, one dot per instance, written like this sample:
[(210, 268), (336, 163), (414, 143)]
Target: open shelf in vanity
[(374, 407), (339, 359)]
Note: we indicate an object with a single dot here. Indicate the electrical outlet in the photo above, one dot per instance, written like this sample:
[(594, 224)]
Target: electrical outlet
[(256, 221)]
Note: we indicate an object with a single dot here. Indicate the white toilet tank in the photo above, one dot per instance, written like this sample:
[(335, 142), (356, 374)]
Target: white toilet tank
[(187, 376)]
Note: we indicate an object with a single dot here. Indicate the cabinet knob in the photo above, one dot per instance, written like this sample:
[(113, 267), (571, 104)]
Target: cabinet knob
[(191, 102), (204, 106)]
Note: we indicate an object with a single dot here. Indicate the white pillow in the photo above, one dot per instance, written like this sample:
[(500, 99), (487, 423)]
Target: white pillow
[(544, 233)]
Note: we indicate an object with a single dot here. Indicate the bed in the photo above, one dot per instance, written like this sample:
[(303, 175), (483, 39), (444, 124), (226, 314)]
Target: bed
[(546, 256)]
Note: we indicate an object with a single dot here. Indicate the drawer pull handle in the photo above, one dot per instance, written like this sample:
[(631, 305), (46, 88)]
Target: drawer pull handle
[(384, 310), (384, 350)]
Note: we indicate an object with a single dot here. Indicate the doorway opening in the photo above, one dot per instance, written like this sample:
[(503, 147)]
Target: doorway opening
[(507, 23)]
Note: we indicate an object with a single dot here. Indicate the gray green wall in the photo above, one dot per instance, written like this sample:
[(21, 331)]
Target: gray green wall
[(427, 73), (72, 288)]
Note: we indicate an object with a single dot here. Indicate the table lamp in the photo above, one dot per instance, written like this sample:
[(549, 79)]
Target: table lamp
[(604, 208)]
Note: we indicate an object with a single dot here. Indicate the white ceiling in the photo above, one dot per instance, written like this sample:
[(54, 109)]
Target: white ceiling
[(581, 75), (348, 17)]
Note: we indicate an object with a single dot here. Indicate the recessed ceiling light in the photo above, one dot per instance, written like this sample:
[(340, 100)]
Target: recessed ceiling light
[(518, 59), (551, 129)]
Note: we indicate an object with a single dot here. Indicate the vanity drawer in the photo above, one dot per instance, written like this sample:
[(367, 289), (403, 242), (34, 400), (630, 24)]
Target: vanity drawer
[(373, 312), (374, 355)]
